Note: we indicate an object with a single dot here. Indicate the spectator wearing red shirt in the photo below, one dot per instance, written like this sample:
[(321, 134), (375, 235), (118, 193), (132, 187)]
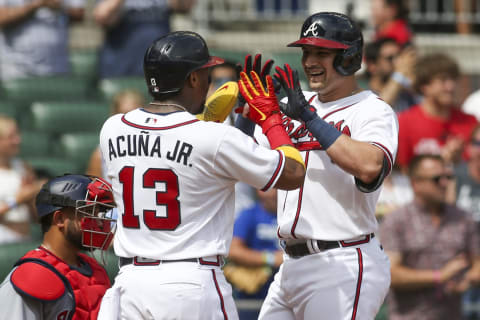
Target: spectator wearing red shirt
[(390, 20), (436, 125)]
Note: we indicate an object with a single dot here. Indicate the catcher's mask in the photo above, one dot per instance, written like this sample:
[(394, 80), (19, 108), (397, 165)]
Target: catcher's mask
[(335, 31), (92, 198)]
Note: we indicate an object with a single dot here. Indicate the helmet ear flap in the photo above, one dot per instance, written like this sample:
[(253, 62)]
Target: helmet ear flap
[(348, 61)]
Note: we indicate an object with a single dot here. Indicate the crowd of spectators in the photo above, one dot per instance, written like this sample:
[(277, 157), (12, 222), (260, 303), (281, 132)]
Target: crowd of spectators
[(429, 208)]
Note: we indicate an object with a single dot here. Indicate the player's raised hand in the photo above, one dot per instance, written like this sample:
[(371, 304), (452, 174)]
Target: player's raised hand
[(297, 104), (263, 103), (262, 72), (257, 67)]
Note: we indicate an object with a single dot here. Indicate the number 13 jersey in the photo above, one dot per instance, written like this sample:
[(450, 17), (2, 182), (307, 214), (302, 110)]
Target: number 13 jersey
[(173, 178)]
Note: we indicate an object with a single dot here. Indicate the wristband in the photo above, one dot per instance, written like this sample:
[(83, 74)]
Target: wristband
[(245, 125), (292, 153), (401, 79), (272, 128), (325, 134), (269, 258)]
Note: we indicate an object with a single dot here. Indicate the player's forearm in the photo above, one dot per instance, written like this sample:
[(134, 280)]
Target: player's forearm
[(404, 278), (360, 159), (107, 12), (390, 92), (293, 175), (246, 257), (9, 15)]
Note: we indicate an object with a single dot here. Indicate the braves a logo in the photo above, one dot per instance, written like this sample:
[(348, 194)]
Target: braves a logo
[(313, 29)]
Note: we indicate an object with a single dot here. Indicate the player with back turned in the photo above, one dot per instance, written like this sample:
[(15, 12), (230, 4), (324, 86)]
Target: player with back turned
[(173, 178), (334, 266)]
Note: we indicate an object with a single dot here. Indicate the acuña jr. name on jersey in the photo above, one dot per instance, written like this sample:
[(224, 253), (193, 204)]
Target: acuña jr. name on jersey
[(138, 145)]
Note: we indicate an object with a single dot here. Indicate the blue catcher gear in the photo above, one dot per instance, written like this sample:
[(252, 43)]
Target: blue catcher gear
[(92, 199)]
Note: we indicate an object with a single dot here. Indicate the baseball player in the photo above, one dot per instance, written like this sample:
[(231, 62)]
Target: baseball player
[(173, 178), (56, 281), (334, 266)]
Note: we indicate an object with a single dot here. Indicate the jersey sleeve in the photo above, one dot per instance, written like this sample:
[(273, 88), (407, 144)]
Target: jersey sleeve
[(378, 125), (241, 158), (35, 291), (18, 308)]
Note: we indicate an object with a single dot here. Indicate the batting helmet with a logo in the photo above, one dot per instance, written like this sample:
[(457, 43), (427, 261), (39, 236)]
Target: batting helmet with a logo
[(170, 59), (335, 31)]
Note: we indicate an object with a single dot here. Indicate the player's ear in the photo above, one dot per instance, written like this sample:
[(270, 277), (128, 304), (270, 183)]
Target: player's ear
[(193, 79), (59, 218)]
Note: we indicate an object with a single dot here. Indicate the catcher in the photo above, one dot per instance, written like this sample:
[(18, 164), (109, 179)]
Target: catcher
[(55, 280)]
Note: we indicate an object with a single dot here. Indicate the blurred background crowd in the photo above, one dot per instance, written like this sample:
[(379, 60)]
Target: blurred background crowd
[(66, 65)]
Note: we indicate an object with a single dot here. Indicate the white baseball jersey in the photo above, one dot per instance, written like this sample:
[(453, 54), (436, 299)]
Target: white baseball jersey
[(173, 179), (329, 206)]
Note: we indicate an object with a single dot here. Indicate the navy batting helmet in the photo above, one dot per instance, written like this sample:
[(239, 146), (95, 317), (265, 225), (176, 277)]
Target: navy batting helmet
[(90, 196), (170, 59), (335, 31)]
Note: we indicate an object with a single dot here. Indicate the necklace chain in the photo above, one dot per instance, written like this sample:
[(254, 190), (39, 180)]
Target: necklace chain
[(168, 104)]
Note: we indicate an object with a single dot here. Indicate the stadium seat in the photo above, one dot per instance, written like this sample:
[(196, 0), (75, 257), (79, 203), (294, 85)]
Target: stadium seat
[(54, 166), (78, 147), (35, 144), (8, 109), (111, 263), (84, 63), (64, 117), (108, 87), (64, 88)]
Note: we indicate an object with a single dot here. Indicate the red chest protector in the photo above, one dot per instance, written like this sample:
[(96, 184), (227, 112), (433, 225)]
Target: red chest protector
[(88, 282)]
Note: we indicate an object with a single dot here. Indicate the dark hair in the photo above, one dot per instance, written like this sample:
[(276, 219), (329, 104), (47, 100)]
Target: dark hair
[(46, 222), (431, 65), (417, 161), (372, 49)]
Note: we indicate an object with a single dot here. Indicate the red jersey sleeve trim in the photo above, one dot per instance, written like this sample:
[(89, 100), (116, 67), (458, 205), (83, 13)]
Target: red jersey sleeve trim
[(277, 172)]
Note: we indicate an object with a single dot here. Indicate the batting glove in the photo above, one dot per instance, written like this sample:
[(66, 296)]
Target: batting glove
[(257, 67), (297, 107), (263, 103)]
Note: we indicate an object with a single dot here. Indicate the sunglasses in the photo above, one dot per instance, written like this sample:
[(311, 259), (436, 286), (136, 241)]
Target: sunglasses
[(475, 143), (436, 179)]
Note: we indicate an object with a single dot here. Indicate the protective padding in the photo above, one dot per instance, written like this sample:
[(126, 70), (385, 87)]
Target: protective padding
[(37, 281)]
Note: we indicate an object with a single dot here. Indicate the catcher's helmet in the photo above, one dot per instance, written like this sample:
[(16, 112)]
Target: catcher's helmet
[(336, 31), (170, 59), (91, 197)]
